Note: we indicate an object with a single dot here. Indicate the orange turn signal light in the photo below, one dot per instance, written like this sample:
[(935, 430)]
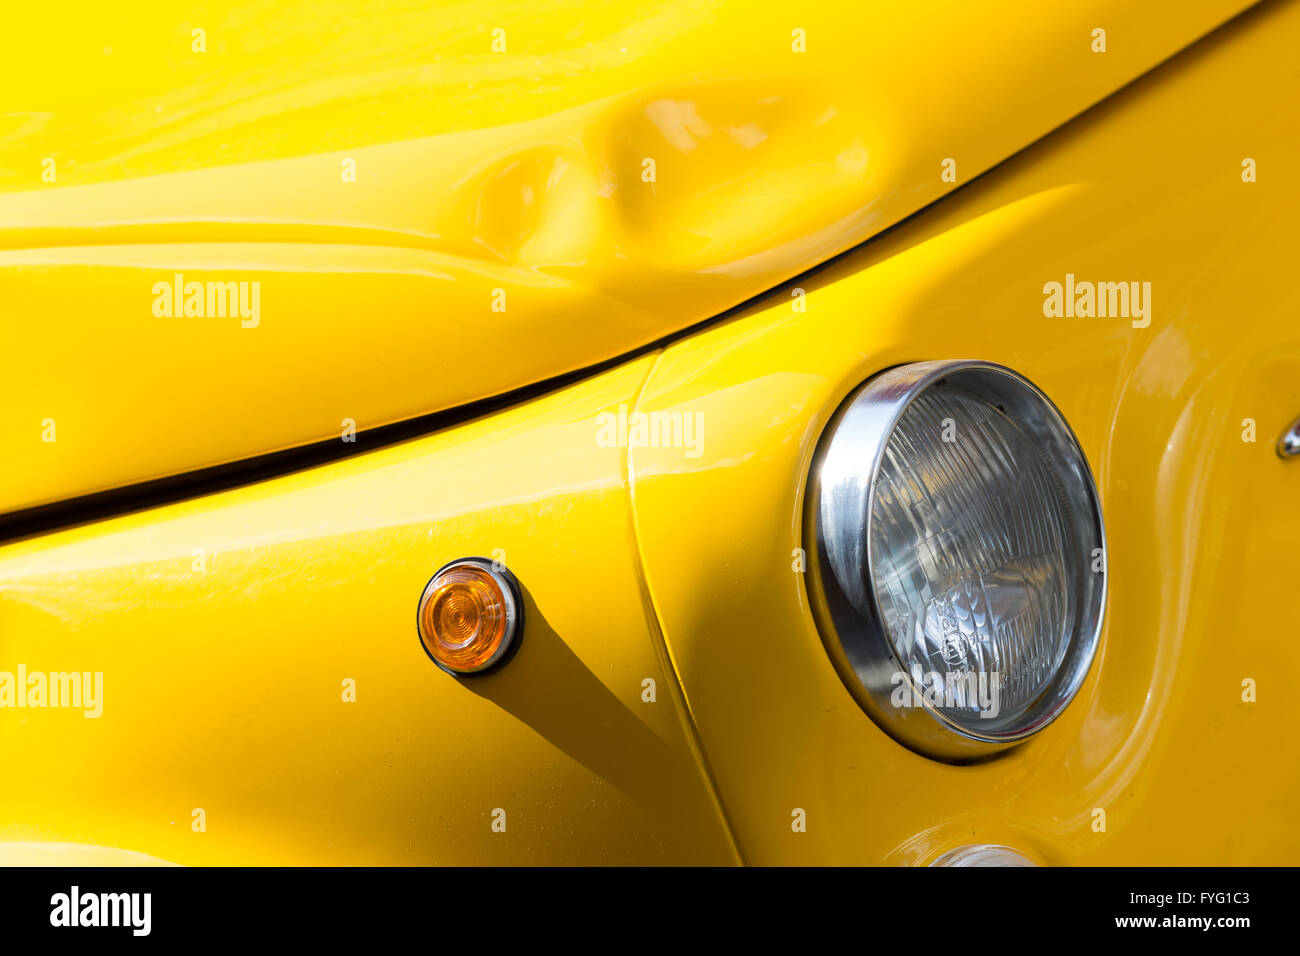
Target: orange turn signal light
[(469, 616)]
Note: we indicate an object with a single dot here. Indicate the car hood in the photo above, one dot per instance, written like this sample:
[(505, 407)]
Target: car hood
[(278, 226)]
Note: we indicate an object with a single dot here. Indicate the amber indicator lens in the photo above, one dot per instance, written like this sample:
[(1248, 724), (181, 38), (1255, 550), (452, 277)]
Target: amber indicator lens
[(467, 618)]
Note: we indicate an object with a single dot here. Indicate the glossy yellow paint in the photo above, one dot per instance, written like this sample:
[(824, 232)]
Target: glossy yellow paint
[(485, 178), (225, 626), (1203, 524), (70, 854), (227, 630)]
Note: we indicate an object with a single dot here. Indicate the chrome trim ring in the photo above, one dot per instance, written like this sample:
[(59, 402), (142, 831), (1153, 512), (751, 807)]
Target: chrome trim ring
[(984, 854), (1288, 446), (838, 511), (514, 614)]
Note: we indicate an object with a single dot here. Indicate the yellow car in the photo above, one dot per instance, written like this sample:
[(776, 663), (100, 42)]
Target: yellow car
[(649, 433)]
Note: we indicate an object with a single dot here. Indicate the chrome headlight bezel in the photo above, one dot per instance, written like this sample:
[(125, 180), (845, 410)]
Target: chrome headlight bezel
[(838, 510)]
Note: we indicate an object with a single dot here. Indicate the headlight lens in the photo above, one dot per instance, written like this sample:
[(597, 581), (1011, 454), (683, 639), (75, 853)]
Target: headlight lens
[(959, 563)]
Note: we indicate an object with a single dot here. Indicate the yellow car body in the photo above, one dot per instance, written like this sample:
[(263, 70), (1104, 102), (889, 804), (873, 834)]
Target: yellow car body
[(453, 225)]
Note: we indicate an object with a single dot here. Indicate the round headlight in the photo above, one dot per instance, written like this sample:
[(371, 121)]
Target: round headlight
[(958, 571)]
